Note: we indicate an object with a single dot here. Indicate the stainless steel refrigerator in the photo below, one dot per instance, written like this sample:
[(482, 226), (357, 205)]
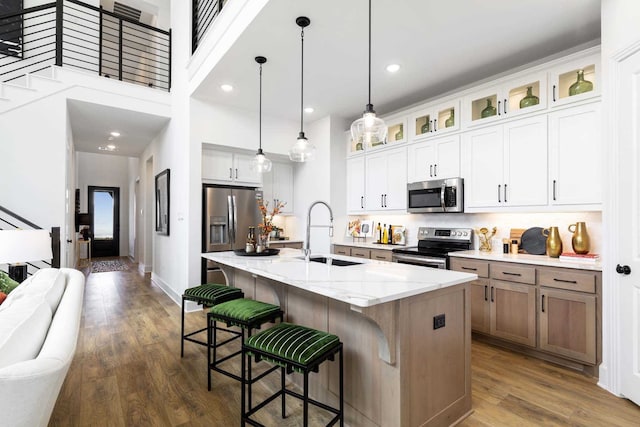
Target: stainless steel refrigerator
[(227, 214)]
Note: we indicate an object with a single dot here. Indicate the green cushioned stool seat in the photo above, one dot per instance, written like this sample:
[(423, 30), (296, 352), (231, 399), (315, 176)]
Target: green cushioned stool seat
[(292, 348), (246, 314), (208, 294)]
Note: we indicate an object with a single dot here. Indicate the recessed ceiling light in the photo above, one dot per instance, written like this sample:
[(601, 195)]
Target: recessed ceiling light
[(392, 68), (226, 88), (115, 134), (109, 147), (308, 110)]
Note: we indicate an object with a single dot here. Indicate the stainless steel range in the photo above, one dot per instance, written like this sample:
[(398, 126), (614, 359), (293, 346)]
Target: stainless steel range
[(433, 246)]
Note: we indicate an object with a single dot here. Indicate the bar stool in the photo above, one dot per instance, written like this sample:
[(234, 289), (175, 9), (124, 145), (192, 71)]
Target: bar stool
[(208, 294), (292, 348), (247, 314)]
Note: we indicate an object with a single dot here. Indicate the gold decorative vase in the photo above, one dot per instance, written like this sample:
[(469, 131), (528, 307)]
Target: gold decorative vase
[(580, 239), (554, 242)]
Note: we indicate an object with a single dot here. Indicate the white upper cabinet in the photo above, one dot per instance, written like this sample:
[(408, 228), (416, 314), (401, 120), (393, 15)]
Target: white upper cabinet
[(575, 156), (355, 186), (575, 80), (386, 180), (228, 167), (434, 159), (278, 186), (434, 120), (506, 165), (521, 95), (396, 130)]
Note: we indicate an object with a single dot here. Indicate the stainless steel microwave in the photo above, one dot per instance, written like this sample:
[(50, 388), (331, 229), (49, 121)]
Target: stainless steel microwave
[(442, 195)]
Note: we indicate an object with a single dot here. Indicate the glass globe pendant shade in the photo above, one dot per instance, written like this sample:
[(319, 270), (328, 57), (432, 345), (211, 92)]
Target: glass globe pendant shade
[(302, 150), (260, 163), (369, 129)]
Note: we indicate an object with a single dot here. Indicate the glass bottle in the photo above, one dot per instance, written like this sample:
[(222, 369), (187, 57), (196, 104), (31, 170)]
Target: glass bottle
[(489, 110), (530, 99), (250, 247), (581, 85), (398, 136), (385, 235), (379, 233), (450, 121), (425, 126)]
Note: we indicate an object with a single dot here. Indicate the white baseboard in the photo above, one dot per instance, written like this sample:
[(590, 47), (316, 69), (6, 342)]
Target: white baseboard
[(143, 269), (156, 280)]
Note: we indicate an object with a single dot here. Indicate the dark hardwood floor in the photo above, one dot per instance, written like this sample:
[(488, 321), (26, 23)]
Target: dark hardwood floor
[(127, 371)]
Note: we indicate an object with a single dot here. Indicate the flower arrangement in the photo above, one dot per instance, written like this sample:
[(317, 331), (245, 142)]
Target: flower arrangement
[(267, 226)]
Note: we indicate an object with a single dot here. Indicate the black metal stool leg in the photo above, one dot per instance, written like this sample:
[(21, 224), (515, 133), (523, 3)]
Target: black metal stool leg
[(282, 391), (249, 379), (209, 342), (341, 391), (182, 331), (305, 402), (242, 385)]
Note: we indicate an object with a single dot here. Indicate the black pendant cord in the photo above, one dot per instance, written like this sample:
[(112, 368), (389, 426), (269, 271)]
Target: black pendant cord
[(369, 52), (302, 81), (260, 113)]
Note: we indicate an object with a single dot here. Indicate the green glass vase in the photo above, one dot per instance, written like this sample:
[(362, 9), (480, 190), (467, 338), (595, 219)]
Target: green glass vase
[(450, 121), (530, 99), (489, 110), (398, 136), (581, 85), (425, 126)]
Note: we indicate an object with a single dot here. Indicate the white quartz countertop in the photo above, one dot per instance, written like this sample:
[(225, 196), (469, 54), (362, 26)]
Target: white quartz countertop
[(528, 259), (364, 285)]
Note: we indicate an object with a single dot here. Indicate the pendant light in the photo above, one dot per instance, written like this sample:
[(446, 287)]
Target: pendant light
[(369, 129), (302, 150), (260, 163)]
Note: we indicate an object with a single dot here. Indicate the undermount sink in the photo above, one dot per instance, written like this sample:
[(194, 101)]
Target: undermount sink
[(336, 262)]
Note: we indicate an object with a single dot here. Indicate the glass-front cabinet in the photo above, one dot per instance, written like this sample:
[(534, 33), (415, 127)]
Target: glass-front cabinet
[(575, 80), (435, 120), (521, 95), (396, 129), (353, 147)]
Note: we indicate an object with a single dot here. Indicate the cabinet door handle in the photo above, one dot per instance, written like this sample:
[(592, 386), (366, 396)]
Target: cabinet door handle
[(236, 173), (361, 202), (385, 200), (382, 200), (230, 173), (435, 125), (435, 170), (471, 269), (499, 191), (492, 294), (505, 106), (554, 189), (505, 193), (511, 274), (431, 170), (485, 293), (565, 281), (430, 125), (499, 107), (554, 93), (542, 307)]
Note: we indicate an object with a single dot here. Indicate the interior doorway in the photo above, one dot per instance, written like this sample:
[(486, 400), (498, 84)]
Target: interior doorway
[(104, 211)]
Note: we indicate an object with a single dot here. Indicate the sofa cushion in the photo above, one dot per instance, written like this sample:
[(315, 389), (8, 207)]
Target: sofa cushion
[(48, 282), (7, 284), (23, 329)]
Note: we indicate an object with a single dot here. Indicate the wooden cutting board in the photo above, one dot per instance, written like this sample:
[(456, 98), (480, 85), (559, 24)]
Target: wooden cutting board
[(516, 234)]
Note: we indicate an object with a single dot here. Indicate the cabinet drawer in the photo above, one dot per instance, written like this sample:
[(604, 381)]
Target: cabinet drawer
[(380, 255), (276, 245), (481, 268), (513, 273), (296, 245), (341, 250), (573, 280), (360, 252)]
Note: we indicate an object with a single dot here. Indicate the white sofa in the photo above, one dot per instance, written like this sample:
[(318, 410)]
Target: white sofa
[(39, 325)]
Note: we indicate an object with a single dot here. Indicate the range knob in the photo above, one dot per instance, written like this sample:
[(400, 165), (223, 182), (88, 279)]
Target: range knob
[(465, 233)]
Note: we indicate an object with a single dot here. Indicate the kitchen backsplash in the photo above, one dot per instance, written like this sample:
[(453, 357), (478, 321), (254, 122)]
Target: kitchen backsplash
[(503, 221)]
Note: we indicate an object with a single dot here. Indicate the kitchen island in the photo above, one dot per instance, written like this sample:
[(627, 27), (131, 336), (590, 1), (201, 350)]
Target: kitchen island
[(406, 331)]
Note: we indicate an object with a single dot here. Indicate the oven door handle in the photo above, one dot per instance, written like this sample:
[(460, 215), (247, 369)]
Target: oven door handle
[(419, 260)]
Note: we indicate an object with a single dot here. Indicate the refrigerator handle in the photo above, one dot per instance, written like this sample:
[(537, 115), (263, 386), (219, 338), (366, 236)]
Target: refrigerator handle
[(235, 220), (230, 231)]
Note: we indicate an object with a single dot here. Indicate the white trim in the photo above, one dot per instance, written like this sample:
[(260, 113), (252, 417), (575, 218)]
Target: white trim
[(157, 280)]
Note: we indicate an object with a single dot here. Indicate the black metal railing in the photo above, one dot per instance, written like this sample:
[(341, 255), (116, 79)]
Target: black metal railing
[(73, 34), (204, 13), (12, 221)]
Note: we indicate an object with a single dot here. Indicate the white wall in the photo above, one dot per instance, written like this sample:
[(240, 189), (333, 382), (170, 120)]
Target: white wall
[(105, 170)]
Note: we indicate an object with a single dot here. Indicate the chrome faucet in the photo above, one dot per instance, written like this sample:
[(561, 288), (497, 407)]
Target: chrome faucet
[(306, 250)]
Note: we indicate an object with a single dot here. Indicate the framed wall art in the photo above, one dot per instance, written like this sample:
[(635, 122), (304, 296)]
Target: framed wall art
[(162, 202)]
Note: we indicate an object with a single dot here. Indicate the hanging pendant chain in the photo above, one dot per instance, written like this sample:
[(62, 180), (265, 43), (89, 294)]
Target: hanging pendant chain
[(260, 112), (301, 80), (369, 52)]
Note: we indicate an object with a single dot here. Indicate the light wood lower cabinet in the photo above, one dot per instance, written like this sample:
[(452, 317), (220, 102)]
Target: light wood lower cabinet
[(380, 255), (359, 252), (285, 244), (342, 250), (548, 310), (513, 312)]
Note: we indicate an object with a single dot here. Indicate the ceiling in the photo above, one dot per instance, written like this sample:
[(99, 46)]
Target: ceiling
[(440, 46), (91, 125)]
